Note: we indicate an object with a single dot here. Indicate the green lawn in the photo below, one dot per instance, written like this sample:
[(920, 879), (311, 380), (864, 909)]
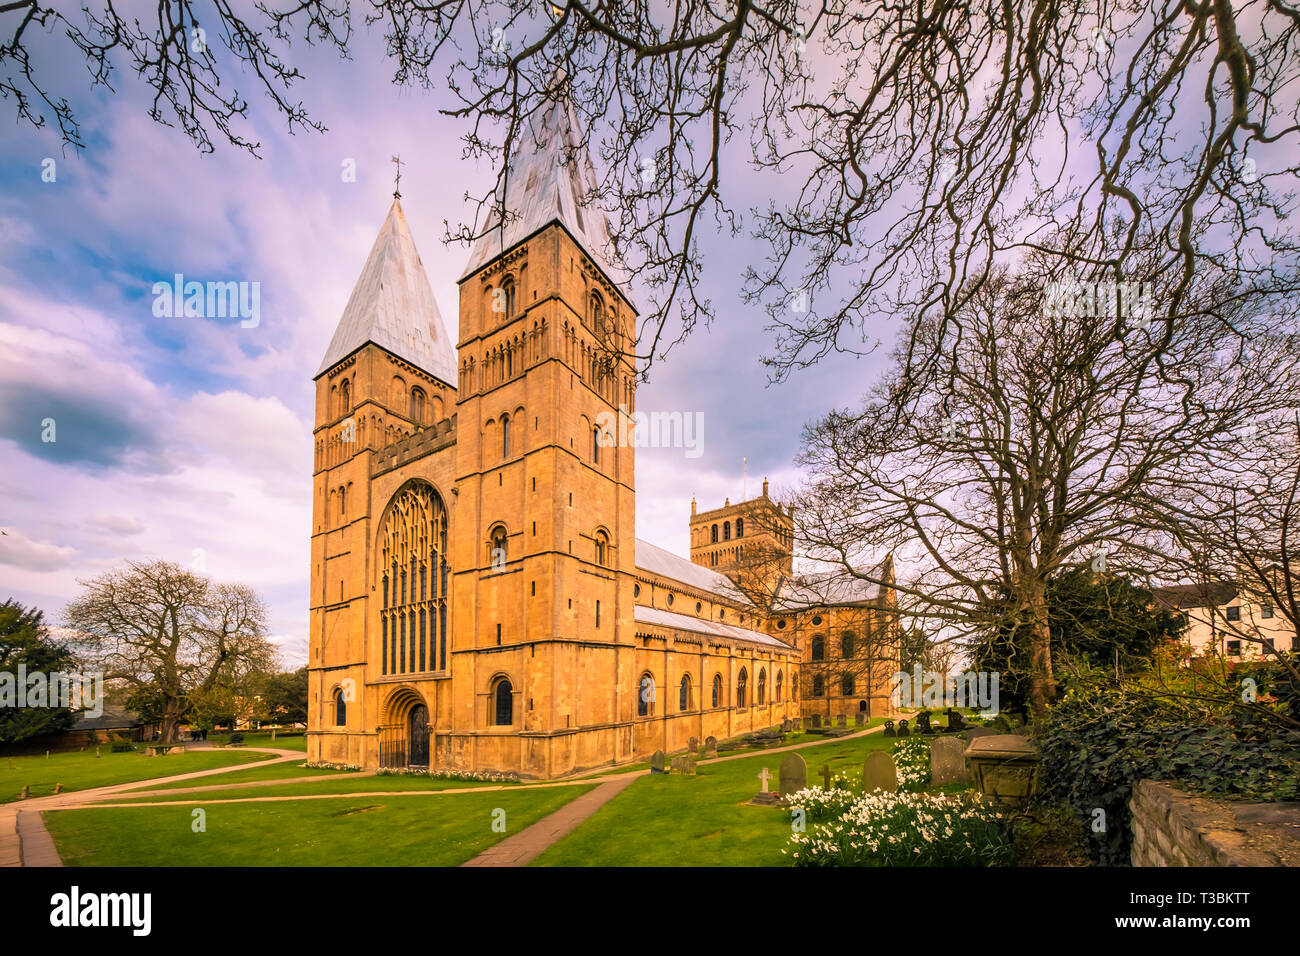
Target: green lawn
[(437, 831), (279, 771), (672, 820), (263, 739), (340, 782), (82, 770)]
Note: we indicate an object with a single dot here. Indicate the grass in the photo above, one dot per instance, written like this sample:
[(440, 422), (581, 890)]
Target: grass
[(672, 820), (342, 782), (441, 831), (82, 770), (255, 772), (263, 739)]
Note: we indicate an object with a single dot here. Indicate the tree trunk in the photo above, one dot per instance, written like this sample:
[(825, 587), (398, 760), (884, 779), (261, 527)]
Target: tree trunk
[(168, 734), (1042, 686)]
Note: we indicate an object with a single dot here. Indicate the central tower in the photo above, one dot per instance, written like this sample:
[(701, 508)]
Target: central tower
[(546, 506)]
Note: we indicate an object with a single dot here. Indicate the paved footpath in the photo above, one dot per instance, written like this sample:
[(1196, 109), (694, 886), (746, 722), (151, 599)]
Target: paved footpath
[(24, 841)]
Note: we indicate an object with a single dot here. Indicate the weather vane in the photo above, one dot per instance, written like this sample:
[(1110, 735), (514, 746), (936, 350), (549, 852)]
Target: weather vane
[(397, 182)]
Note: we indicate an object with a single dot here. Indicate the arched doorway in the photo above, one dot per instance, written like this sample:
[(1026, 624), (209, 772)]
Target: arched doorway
[(404, 737)]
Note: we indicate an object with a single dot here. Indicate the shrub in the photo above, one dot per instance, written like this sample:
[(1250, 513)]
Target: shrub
[(912, 760), (907, 829), (236, 739), (1099, 741)]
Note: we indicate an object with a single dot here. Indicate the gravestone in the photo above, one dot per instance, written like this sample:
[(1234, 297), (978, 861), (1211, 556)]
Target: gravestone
[(688, 766), (787, 726), (694, 745), (860, 719), (956, 722), (879, 773), (902, 728), (923, 723), (25, 793), (58, 788), (798, 724), (794, 774), (972, 733), (679, 765), (947, 761), (817, 721), (841, 721), (710, 746), (657, 762), (889, 730), (765, 798)]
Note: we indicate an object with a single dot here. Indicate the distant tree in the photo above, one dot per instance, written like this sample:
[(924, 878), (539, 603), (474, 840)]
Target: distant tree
[(1096, 620), (170, 635), (25, 640), (285, 696)]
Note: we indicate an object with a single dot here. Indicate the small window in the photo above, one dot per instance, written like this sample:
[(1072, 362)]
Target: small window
[(726, 531), (684, 694), (740, 527), (714, 539), (780, 625), (602, 549), (717, 690), (497, 555), (846, 685), (1266, 610), (595, 445), (846, 645), (503, 703), (780, 686), (698, 607), (417, 405), (645, 699), (670, 600), (818, 648), (741, 684), (1234, 614), (816, 621), (762, 687), (819, 685), (505, 436), (636, 590), (1234, 648), (340, 708), (345, 397)]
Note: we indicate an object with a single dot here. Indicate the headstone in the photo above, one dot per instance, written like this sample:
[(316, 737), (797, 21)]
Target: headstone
[(923, 723), (860, 719), (764, 776), (657, 762), (765, 798), (710, 746), (679, 765), (787, 726), (688, 766), (889, 730), (947, 761), (879, 773), (794, 774), (902, 728), (798, 724), (58, 788), (841, 721), (817, 721), (26, 792), (694, 746), (956, 722)]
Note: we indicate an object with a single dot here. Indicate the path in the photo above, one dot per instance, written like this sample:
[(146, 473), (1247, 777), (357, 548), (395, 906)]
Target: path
[(24, 841)]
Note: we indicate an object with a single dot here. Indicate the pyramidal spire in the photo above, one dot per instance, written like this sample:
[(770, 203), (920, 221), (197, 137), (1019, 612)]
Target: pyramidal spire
[(392, 305), (549, 179)]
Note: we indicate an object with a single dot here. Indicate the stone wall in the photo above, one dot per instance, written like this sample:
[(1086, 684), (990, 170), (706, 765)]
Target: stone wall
[(1175, 828)]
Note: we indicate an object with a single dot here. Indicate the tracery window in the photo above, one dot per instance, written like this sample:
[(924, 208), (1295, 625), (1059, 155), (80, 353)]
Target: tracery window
[(413, 619)]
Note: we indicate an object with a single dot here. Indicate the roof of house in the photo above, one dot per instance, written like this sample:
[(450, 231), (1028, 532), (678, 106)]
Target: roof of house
[(684, 622), (1210, 594), (549, 179), (392, 305), (112, 718), (656, 560)]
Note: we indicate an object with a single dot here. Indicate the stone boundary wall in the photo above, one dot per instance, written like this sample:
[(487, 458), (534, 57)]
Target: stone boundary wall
[(1174, 828)]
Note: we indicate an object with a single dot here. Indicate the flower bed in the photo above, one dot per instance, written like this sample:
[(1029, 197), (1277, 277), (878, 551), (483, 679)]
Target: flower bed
[(485, 776), (326, 765), (912, 761), (903, 829)]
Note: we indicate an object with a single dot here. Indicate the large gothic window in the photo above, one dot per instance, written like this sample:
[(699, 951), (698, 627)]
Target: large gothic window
[(413, 625)]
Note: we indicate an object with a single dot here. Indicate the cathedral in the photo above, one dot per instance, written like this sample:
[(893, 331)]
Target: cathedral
[(479, 598)]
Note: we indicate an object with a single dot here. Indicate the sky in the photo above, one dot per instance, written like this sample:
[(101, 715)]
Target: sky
[(189, 439)]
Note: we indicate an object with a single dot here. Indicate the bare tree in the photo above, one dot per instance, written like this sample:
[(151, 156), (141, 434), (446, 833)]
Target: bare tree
[(165, 631), (1043, 441), (911, 149)]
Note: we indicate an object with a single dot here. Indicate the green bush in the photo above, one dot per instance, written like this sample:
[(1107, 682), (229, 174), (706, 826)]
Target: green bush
[(236, 739), (1099, 741)]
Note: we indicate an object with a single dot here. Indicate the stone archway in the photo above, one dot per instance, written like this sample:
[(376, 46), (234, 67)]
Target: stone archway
[(404, 737)]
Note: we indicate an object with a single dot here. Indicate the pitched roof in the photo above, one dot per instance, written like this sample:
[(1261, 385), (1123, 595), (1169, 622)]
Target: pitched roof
[(1195, 595), (547, 180), (829, 588), (392, 305), (698, 625), (656, 560)]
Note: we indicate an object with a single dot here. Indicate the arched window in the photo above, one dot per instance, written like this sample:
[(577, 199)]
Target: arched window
[(818, 648), (645, 698), (602, 548), (597, 314), (819, 685), (340, 708), (508, 295), (417, 405), (846, 644), (684, 694), (503, 703), (414, 565), (717, 690), (846, 685), (345, 397), (714, 539), (780, 689), (595, 445), (343, 502), (741, 683), (497, 547), (762, 686), (740, 527), (505, 436)]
